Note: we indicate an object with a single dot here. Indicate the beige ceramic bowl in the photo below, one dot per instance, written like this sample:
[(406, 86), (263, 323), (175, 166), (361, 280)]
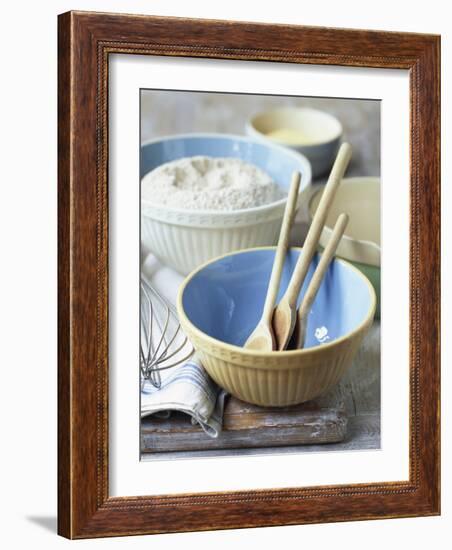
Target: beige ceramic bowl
[(275, 378), (359, 197), (311, 132)]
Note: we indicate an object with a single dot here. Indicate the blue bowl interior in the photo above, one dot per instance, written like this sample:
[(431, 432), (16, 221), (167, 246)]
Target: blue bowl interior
[(277, 162), (225, 299)]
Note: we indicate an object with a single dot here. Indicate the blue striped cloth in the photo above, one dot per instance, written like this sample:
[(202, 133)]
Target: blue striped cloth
[(189, 389)]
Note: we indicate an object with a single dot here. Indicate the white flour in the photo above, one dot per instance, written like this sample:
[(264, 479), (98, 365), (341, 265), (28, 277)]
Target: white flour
[(205, 183)]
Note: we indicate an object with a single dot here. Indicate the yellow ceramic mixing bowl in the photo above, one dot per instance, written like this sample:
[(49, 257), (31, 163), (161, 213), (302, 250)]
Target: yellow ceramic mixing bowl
[(220, 303)]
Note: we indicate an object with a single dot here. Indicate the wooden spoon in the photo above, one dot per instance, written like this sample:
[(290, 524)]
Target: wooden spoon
[(299, 332), (285, 313), (262, 338)]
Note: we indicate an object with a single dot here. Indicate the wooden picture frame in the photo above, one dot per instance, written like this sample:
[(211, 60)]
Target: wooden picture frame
[(85, 42)]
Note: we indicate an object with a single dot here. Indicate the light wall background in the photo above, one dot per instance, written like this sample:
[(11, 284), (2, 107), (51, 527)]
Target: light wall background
[(166, 113)]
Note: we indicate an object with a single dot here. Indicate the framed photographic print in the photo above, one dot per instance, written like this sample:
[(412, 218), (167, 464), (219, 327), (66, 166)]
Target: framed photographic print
[(248, 275), (222, 214)]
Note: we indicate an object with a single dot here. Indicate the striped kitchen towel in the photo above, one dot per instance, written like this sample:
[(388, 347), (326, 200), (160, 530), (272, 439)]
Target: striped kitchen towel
[(186, 387), (189, 389)]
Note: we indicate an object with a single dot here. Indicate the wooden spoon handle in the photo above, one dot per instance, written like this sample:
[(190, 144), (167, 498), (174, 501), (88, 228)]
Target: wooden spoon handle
[(281, 249), (317, 278), (312, 238)]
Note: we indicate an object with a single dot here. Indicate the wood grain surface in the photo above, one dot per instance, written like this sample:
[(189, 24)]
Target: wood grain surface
[(245, 427), (85, 508)]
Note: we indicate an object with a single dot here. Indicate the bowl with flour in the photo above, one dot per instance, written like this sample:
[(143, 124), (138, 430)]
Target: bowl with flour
[(203, 195)]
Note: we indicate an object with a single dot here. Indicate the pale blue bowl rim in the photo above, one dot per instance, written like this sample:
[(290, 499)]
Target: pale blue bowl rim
[(286, 353), (305, 180)]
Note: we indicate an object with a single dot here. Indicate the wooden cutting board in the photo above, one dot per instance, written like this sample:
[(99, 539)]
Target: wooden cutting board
[(248, 426)]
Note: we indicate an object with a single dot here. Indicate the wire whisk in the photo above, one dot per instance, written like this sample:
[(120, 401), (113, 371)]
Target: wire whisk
[(162, 342)]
